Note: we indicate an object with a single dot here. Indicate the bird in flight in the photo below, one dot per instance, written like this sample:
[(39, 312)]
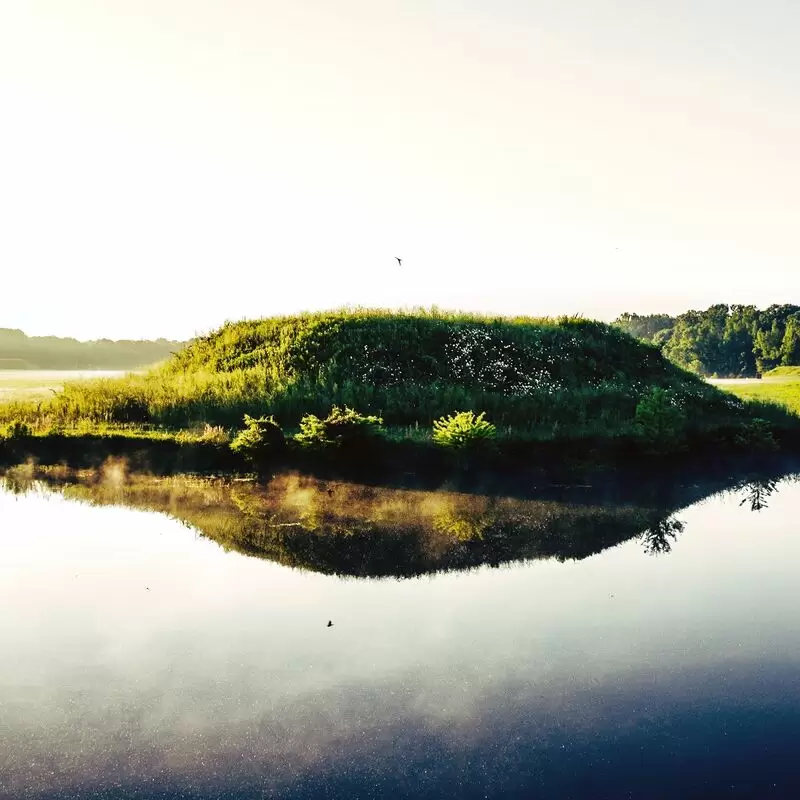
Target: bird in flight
[(399, 261), (329, 625)]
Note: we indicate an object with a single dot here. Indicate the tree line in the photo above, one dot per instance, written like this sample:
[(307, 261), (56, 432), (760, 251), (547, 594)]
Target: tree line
[(18, 351), (724, 340)]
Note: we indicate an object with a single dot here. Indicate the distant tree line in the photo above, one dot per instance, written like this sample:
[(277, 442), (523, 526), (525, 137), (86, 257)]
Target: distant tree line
[(18, 351), (723, 341)]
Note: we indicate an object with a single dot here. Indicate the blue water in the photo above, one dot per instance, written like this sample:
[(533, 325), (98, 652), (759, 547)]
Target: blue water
[(141, 660)]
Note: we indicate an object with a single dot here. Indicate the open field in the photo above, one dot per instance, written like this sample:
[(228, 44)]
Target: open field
[(22, 384), (783, 388)]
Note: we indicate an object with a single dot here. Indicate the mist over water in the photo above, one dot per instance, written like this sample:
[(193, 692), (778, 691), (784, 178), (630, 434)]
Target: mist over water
[(169, 639)]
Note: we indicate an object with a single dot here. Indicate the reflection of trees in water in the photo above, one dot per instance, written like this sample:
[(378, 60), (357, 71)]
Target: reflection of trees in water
[(658, 538), (757, 491), (361, 531), (14, 484)]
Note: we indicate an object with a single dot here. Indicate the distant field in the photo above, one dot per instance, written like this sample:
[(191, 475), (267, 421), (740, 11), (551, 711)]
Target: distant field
[(782, 386), (784, 372), (35, 384)]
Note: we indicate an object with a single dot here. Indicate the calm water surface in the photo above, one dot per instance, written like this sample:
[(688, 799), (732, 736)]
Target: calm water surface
[(142, 659)]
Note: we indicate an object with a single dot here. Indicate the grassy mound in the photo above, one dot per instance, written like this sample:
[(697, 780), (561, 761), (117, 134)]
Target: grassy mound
[(539, 378)]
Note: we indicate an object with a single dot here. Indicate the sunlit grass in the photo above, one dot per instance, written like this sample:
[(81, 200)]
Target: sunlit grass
[(783, 388), (783, 372), (23, 385), (28, 385)]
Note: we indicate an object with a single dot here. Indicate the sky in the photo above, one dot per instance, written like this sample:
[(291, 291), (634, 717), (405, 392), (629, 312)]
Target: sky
[(166, 165)]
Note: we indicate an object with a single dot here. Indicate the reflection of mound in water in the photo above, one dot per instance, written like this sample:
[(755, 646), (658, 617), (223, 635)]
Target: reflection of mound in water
[(362, 531), (370, 532), (463, 527)]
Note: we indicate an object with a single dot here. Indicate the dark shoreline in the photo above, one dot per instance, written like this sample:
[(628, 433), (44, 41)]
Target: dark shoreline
[(513, 465)]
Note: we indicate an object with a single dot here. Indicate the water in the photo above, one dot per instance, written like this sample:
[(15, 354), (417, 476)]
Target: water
[(143, 659)]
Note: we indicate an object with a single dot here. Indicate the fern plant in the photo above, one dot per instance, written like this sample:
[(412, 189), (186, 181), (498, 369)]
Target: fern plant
[(342, 427), (463, 430), (260, 440)]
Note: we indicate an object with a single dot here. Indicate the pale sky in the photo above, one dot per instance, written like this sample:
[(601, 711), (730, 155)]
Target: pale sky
[(166, 165)]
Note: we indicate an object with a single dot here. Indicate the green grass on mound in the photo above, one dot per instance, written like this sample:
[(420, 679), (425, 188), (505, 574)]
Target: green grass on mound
[(539, 378)]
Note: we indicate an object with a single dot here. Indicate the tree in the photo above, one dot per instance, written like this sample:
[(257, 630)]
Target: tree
[(740, 327), (770, 335), (697, 340), (790, 345), (644, 326), (726, 341)]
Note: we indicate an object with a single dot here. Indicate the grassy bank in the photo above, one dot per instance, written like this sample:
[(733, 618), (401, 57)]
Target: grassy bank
[(400, 457), (555, 390)]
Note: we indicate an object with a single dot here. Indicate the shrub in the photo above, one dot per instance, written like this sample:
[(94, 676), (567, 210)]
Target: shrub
[(16, 430), (261, 439), (757, 436), (208, 434), (463, 431), (342, 427), (660, 422)]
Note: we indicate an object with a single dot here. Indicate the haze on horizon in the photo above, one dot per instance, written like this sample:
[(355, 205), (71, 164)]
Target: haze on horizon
[(166, 165)]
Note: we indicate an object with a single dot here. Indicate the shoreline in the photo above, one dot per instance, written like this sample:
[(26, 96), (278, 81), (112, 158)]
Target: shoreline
[(406, 462)]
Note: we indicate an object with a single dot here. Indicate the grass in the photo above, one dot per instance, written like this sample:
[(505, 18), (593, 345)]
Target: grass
[(783, 372), (20, 385), (781, 386)]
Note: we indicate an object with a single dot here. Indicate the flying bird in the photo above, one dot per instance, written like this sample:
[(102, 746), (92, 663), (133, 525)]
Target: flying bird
[(329, 625), (399, 261)]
